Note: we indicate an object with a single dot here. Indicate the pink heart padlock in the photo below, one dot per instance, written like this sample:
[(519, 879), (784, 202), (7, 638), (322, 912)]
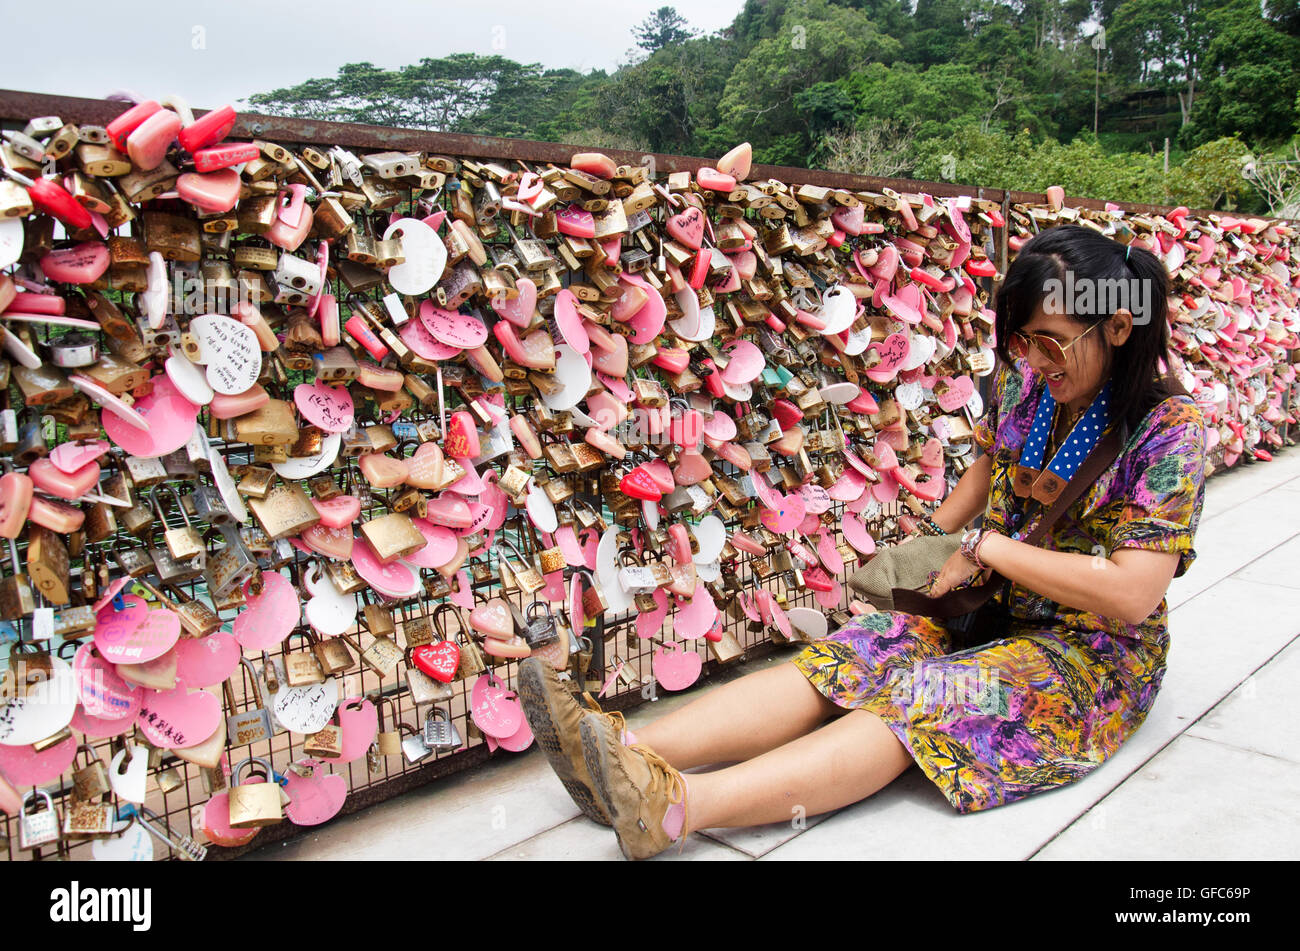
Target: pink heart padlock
[(267, 617), (316, 798), (100, 690), (695, 616), (178, 717), (675, 667), (495, 709), (329, 408), (135, 635), (205, 661)]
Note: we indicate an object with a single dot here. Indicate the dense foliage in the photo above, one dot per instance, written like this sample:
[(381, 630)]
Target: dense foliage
[(995, 92)]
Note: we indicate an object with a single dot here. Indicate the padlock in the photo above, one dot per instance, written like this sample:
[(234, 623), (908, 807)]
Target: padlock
[(423, 688), (525, 573), (637, 577), (285, 510), (440, 731), (90, 781), (253, 805), (47, 564), (184, 544), (226, 570), (414, 748), (539, 625), (84, 819), (327, 742), (388, 742), (252, 725), (301, 668), (17, 599), (37, 827)]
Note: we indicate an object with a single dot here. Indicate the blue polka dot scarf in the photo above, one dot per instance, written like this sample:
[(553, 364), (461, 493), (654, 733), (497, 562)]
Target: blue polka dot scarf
[(1030, 478)]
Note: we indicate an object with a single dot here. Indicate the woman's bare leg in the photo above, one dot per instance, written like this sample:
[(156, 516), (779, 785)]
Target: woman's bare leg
[(843, 762), (739, 720)]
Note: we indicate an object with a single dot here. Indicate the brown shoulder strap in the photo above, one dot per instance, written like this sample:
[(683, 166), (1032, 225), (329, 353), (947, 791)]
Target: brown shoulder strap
[(1098, 461)]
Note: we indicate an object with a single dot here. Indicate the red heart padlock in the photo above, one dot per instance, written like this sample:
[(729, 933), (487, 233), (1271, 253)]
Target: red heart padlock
[(439, 661), (639, 484), (462, 437)]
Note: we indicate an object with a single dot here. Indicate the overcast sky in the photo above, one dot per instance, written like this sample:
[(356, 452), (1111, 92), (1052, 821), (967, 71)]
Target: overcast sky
[(216, 52)]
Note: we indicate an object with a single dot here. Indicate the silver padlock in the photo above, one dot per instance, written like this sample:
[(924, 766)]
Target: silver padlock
[(40, 827), (182, 844), (414, 748), (440, 731), (539, 625), (210, 507)]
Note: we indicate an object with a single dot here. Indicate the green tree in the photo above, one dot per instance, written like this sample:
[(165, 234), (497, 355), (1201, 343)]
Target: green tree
[(817, 41), (662, 28), (1256, 74), (1212, 173)]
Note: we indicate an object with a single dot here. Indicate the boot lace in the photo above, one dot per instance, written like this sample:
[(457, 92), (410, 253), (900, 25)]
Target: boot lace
[(665, 779)]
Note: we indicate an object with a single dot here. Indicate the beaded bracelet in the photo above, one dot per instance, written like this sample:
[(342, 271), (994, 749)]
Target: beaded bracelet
[(933, 525)]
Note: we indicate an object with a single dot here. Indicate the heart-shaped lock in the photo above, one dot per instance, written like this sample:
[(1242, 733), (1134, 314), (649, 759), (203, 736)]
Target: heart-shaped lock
[(24, 766), (306, 709), (784, 516), (649, 623), (169, 419), (440, 660), (955, 392), (461, 440), (612, 362), (425, 257), (493, 618), (205, 661), (216, 821), (335, 543), (211, 193), (329, 612), (675, 667), (359, 723), (269, 616), (695, 615), (69, 457), (495, 710), (639, 484), (569, 322), (317, 797), (394, 579), (135, 636), (416, 336), (178, 717), (101, 692), (329, 408), (338, 512), (518, 310), (228, 348), (452, 328), (688, 227)]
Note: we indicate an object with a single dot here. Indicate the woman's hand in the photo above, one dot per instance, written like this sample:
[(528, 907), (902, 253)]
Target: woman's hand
[(955, 571)]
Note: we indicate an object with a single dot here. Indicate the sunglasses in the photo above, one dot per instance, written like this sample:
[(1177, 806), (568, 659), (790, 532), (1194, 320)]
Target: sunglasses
[(1052, 349)]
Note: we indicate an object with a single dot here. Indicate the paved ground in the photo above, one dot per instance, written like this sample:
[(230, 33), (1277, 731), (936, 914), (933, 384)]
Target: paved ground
[(1214, 773)]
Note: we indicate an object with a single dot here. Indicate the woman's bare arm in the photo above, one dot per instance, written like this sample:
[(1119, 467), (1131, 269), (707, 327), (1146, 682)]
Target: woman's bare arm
[(1128, 585), (968, 499)]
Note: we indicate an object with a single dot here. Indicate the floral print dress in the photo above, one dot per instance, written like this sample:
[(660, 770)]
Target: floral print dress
[(1055, 696)]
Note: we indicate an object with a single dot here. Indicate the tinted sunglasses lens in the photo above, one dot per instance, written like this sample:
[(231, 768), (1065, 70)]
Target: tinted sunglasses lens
[(1018, 346), (1051, 349)]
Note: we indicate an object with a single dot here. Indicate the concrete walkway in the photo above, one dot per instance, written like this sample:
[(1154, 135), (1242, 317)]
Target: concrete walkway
[(1214, 773)]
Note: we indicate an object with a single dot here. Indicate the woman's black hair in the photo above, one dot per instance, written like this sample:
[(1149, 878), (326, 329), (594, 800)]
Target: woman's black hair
[(1073, 256)]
